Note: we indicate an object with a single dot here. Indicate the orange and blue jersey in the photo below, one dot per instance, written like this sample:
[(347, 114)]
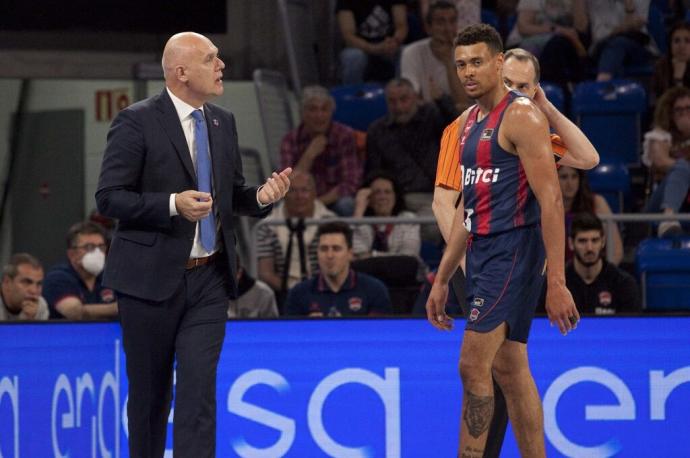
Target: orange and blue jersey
[(448, 168)]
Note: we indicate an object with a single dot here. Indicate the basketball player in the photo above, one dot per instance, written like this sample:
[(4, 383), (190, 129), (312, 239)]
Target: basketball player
[(509, 185), (520, 73)]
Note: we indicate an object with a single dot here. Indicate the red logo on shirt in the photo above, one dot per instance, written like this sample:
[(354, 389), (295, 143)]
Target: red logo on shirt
[(314, 307), (355, 304), (605, 298), (107, 295)]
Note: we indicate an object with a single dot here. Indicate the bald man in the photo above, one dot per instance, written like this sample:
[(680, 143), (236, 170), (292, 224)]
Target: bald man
[(172, 177)]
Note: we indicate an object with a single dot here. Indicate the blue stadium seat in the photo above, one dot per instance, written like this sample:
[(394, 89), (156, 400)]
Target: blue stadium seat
[(609, 113), (555, 94), (664, 269), (489, 17), (657, 27), (358, 105), (612, 181)]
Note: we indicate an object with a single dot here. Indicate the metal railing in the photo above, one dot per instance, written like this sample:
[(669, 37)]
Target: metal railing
[(608, 228), (634, 218), (252, 251)]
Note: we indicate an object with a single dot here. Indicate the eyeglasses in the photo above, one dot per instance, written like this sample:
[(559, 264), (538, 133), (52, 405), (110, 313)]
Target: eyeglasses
[(88, 247), (681, 110)]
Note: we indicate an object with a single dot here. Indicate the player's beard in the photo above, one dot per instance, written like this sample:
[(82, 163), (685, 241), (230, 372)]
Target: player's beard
[(585, 263)]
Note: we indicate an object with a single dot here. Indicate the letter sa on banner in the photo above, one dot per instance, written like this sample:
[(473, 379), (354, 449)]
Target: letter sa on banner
[(110, 102)]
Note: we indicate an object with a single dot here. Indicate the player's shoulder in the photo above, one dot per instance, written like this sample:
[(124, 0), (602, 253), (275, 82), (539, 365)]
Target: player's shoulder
[(524, 110)]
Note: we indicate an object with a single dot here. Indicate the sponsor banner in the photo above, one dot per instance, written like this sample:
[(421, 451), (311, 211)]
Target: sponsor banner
[(354, 388)]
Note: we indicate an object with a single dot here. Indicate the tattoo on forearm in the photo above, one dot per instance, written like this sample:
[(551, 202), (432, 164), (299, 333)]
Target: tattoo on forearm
[(471, 452), (478, 413)]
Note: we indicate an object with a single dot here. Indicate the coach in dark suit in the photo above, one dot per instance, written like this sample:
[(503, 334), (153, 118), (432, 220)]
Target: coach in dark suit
[(172, 176)]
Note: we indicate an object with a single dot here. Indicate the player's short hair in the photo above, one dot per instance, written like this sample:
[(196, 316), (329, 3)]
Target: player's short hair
[(11, 269), (480, 33), (522, 55), (585, 221), (336, 227), (436, 6)]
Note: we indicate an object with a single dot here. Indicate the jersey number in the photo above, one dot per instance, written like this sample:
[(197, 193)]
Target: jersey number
[(468, 219)]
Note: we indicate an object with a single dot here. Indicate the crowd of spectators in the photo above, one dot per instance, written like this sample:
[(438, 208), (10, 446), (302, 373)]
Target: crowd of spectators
[(307, 270)]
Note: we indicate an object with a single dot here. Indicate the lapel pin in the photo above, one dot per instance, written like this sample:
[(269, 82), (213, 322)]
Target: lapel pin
[(215, 122)]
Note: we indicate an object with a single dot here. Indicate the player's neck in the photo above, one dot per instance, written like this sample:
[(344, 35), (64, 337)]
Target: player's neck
[(588, 273), (488, 101)]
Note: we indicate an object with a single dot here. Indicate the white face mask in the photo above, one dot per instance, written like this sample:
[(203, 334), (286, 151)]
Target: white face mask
[(93, 261)]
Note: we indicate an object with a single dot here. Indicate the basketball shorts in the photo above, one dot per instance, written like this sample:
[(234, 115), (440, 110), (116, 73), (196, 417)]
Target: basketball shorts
[(505, 277)]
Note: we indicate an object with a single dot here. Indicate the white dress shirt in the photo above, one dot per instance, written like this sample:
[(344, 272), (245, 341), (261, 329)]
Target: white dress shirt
[(184, 112)]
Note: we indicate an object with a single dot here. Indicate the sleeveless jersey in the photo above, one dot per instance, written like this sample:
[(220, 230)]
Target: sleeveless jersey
[(497, 195)]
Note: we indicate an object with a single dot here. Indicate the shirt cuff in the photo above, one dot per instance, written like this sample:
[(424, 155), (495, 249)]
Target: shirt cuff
[(257, 198), (171, 205)]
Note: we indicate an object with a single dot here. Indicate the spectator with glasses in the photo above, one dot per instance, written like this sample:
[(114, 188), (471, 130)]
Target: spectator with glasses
[(73, 289)]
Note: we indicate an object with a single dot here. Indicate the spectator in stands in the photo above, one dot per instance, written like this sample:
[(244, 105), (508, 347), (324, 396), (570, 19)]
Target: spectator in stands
[(672, 69), (597, 286), (381, 196), (255, 299), (666, 150), (468, 12), (337, 290), (326, 149), (555, 32), (406, 142), (429, 64), (619, 36), (579, 198), (373, 31), (74, 289), (22, 281), (287, 253)]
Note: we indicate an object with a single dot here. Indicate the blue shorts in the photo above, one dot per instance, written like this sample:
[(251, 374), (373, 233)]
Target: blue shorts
[(505, 276)]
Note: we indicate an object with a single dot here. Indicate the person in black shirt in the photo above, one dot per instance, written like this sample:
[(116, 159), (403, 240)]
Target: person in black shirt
[(373, 31), (597, 286)]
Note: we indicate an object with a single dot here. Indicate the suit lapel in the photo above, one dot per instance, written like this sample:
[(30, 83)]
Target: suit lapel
[(171, 124), (216, 140)]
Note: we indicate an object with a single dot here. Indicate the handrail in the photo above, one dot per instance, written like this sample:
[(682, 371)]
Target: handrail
[(608, 228), (634, 218)]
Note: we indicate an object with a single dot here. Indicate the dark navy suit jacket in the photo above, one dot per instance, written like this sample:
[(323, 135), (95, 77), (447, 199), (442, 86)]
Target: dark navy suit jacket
[(146, 159)]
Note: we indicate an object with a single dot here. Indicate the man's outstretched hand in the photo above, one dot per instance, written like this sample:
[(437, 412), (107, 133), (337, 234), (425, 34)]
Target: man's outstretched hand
[(276, 187)]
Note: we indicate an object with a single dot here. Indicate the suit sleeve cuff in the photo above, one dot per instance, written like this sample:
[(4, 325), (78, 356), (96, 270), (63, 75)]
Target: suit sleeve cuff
[(257, 198), (172, 206)]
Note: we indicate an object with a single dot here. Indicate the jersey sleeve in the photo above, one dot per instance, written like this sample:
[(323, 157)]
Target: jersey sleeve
[(448, 167), (558, 147)]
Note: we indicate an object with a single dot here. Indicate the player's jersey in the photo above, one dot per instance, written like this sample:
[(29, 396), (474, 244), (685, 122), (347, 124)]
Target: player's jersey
[(497, 196), (448, 168)]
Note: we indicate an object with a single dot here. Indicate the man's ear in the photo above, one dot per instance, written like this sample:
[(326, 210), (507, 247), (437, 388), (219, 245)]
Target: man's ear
[(181, 73)]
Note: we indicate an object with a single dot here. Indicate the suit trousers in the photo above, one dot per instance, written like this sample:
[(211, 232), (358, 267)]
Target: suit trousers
[(184, 332)]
